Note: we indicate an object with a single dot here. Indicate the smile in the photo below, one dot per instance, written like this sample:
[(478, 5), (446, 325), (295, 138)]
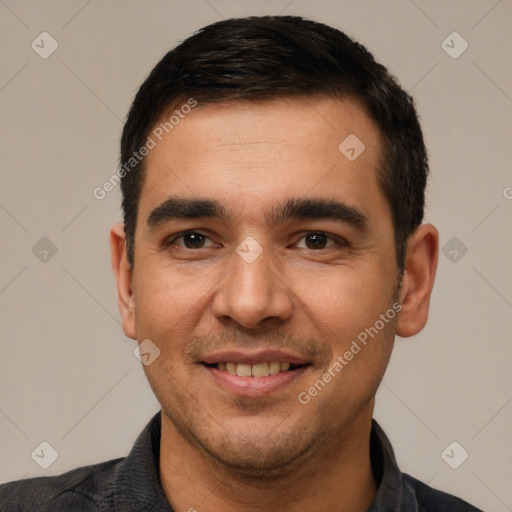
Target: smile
[(256, 370)]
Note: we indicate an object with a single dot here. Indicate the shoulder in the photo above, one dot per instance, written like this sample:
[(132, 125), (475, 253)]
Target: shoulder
[(82, 489), (432, 500)]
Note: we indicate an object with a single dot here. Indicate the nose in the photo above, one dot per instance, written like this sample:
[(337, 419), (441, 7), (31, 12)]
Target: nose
[(252, 292)]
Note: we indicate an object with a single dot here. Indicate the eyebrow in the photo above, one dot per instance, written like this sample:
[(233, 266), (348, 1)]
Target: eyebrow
[(310, 208)]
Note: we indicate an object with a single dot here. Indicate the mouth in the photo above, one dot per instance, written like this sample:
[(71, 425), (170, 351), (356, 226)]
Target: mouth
[(265, 369), (254, 375)]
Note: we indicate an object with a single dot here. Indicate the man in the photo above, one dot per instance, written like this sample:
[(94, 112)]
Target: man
[(273, 179)]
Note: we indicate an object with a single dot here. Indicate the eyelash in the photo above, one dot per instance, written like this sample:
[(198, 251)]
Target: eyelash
[(170, 241)]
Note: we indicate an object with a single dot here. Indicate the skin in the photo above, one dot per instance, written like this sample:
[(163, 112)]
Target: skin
[(226, 453)]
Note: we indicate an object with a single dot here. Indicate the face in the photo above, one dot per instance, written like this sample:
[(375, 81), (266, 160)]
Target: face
[(262, 250)]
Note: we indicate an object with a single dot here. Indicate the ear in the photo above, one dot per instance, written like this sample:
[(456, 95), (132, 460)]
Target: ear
[(124, 275), (418, 281)]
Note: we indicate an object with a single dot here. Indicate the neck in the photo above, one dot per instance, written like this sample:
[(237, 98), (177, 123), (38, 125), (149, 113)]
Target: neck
[(334, 475)]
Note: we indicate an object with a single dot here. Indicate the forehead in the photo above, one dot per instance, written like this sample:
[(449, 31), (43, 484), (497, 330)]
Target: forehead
[(246, 153)]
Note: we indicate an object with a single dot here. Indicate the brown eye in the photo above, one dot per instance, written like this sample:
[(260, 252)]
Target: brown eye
[(316, 240), (190, 240), (193, 240)]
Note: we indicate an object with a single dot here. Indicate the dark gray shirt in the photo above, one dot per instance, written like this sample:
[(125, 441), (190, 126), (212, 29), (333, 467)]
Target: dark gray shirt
[(132, 484)]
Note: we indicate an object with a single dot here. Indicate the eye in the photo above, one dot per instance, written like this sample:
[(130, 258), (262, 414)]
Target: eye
[(190, 240), (317, 240)]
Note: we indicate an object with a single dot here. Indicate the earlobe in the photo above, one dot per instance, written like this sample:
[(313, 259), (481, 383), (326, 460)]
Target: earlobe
[(124, 275), (418, 281)]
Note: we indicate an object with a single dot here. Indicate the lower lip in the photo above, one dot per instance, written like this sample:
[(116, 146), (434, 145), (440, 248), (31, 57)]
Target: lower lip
[(254, 387)]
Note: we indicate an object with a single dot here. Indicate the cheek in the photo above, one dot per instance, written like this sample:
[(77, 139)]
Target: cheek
[(166, 298), (165, 313), (344, 302)]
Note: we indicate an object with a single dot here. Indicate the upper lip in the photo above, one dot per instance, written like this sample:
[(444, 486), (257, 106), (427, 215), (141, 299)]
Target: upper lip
[(262, 356)]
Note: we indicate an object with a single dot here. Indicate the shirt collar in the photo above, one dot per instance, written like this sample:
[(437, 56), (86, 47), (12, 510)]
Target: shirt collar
[(137, 486), (389, 477)]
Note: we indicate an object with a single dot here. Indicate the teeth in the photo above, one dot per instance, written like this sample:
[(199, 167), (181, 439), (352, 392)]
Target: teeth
[(275, 368), (243, 370), (260, 370), (254, 370)]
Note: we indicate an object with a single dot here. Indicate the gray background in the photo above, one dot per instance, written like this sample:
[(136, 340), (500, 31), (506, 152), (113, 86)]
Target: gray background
[(68, 375)]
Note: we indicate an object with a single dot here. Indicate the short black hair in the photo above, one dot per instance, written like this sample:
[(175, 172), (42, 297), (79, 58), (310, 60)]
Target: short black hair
[(263, 58)]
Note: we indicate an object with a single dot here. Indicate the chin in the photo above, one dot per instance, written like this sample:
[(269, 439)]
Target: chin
[(255, 456)]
